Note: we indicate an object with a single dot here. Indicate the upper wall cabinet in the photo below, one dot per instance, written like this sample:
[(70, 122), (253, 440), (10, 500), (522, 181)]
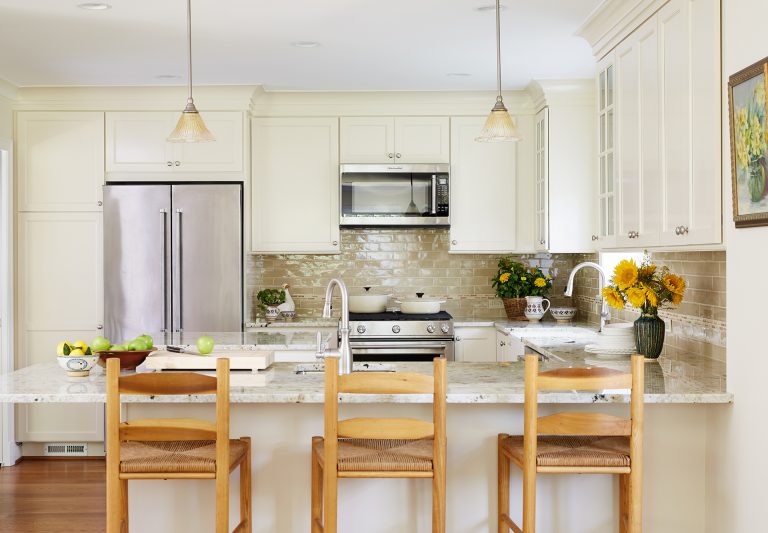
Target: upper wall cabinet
[(483, 191), (395, 140), (136, 142), (60, 160), (564, 176), (295, 186), (667, 171)]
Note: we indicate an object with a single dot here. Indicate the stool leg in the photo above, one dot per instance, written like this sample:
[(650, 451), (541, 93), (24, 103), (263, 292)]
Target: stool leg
[(623, 493), (438, 496), (124, 505), (635, 500), (245, 488), (114, 502), (316, 490), (503, 485), (529, 496), (222, 500), (330, 497)]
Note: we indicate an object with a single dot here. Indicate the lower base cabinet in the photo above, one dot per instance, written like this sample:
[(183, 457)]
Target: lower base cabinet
[(475, 344)]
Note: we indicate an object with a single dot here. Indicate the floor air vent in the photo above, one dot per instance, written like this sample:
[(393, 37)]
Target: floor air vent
[(66, 449)]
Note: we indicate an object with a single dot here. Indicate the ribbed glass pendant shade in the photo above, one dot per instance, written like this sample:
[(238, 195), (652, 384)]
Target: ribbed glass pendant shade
[(190, 128), (499, 126)]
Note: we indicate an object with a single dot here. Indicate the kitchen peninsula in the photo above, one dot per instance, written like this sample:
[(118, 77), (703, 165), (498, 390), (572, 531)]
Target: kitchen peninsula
[(484, 399)]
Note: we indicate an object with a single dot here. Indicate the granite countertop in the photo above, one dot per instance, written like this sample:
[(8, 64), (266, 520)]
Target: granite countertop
[(298, 322), (682, 378)]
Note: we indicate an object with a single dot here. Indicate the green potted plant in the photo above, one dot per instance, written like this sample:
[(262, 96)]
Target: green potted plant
[(514, 282), (269, 299)]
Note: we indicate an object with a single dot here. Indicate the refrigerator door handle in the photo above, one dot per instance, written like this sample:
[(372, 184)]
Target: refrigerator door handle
[(179, 270), (164, 212)]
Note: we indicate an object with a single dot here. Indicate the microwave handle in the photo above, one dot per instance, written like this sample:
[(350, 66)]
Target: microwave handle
[(434, 194)]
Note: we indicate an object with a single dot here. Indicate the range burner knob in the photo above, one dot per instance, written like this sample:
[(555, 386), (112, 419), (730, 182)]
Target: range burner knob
[(430, 328), (444, 328), (361, 329), (395, 329)]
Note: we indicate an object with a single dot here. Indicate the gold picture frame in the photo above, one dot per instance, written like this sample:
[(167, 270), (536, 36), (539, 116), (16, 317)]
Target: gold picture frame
[(747, 106)]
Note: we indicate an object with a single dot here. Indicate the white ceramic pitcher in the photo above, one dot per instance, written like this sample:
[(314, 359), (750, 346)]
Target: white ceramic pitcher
[(534, 309)]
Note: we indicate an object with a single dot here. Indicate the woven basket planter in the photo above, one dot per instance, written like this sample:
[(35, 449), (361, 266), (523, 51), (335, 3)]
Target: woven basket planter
[(515, 308)]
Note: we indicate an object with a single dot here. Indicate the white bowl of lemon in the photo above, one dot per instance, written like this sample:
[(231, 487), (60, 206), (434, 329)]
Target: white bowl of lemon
[(76, 358)]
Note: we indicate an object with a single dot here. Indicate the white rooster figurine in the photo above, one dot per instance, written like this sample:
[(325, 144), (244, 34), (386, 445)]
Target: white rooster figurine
[(287, 308)]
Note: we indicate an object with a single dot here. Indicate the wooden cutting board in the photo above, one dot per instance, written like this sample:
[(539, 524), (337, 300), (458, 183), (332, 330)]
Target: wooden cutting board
[(238, 360)]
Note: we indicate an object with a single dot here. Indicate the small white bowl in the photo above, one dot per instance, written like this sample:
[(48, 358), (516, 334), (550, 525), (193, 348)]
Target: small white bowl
[(77, 365), (563, 315)]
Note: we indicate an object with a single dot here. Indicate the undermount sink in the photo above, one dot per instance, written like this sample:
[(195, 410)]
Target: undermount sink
[(311, 368)]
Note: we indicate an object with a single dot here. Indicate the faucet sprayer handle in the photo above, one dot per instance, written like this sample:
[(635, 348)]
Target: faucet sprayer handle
[(321, 346)]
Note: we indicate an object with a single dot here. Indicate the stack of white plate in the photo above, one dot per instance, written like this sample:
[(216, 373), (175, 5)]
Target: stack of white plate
[(615, 339)]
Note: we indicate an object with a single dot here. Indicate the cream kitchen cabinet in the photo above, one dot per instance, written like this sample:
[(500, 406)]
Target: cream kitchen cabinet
[(475, 344), (667, 155), (564, 168), (136, 143), (605, 234), (60, 160), (295, 185), (503, 346), (395, 140), (483, 191), (60, 297)]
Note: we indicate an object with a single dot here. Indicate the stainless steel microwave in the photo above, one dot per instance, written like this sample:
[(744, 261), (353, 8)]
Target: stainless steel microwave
[(395, 195)]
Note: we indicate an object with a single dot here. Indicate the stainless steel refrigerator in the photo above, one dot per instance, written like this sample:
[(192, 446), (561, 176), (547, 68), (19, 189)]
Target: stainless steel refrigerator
[(172, 260)]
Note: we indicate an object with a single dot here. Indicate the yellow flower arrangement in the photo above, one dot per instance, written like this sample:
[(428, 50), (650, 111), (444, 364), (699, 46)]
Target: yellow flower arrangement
[(504, 277), (540, 282), (645, 287), (515, 280)]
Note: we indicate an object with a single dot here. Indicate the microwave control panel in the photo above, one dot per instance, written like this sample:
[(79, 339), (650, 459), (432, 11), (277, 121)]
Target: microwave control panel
[(443, 196)]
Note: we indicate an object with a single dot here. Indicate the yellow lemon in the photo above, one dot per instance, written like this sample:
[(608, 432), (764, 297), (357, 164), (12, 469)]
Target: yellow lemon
[(77, 351), (82, 345), (60, 348)]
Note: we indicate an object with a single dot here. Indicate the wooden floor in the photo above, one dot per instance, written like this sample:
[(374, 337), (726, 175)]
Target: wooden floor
[(59, 496)]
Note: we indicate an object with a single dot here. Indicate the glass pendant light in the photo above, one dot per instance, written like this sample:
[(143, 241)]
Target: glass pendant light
[(190, 128), (499, 126)]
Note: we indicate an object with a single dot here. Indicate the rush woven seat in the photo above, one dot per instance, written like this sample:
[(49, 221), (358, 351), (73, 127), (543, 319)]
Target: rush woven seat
[(383, 455), (198, 456), (567, 450)]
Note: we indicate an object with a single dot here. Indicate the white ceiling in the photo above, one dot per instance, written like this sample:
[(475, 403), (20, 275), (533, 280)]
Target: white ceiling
[(382, 45)]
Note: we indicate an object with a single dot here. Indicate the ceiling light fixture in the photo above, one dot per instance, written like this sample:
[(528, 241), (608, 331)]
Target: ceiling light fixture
[(499, 126), (305, 44), (94, 6), (190, 128)]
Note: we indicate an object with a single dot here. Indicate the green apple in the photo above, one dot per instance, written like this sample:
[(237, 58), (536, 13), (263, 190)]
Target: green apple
[(148, 340), (99, 344), (205, 344), (118, 348), (137, 344)]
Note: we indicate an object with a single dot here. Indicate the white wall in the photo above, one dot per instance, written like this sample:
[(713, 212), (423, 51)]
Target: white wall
[(7, 93), (737, 436)]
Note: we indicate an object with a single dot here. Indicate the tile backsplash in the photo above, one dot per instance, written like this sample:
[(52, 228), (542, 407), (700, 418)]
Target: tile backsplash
[(399, 262), (698, 324), (406, 261)]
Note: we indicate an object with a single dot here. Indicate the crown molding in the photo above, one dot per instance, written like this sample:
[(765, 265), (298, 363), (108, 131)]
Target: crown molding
[(576, 92), (143, 98), (384, 103), (613, 20)]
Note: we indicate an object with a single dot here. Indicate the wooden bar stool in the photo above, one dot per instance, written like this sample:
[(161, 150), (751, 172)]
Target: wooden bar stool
[(576, 443), (378, 447), (174, 448)]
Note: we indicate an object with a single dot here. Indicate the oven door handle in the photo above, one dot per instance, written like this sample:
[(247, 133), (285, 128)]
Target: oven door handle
[(403, 345)]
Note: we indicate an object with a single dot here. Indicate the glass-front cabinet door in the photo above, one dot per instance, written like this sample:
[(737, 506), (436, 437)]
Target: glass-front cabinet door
[(606, 104), (541, 216)]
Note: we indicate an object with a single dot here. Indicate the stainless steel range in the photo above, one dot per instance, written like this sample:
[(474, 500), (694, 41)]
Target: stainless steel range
[(396, 336)]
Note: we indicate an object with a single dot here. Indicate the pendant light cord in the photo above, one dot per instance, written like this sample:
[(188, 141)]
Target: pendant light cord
[(498, 48), (189, 47)]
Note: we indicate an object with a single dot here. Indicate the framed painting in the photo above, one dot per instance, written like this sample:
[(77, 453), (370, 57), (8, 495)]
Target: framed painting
[(749, 144)]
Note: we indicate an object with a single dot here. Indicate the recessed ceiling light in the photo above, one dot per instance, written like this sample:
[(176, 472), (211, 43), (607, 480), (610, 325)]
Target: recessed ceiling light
[(167, 77), (94, 6), (305, 44), (458, 75), (490, 7)]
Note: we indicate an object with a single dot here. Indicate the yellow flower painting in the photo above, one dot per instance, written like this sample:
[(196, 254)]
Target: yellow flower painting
[(749, 145)]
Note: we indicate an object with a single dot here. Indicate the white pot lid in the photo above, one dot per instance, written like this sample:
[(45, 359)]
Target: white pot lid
[(417, 299)]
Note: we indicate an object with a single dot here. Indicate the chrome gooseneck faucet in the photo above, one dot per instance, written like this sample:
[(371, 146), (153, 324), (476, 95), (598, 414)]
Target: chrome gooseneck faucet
[(604, 313), (343, 353)]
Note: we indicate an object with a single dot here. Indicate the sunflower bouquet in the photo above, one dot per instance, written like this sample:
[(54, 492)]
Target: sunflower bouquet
[(646, 287), (515, 280)]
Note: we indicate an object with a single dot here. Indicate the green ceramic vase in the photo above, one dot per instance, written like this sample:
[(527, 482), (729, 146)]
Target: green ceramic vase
[(649, 336)]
